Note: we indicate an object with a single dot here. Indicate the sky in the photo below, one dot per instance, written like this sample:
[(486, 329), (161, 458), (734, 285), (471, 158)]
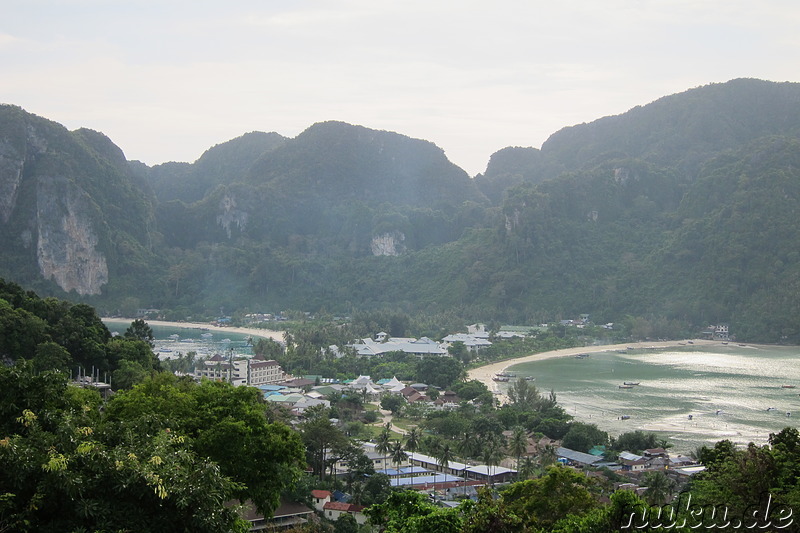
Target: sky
[(167, 80)]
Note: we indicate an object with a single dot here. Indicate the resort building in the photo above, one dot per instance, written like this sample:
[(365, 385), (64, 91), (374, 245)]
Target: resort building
[(254, 371)]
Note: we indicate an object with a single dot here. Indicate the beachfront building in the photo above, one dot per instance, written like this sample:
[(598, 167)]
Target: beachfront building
[(383, 344), (472, 342), (253, 371)]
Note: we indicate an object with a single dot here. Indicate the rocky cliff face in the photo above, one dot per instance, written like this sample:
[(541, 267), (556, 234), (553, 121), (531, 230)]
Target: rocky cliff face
[(388, 244), (11, 163), (56, 187), (66, 249)]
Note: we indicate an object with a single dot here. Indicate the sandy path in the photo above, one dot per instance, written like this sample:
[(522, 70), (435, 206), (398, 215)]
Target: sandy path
[(485, 373), (255, 332)]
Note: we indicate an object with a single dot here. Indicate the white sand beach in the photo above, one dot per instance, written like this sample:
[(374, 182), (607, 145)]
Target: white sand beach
[(255, 332), (485, 373)]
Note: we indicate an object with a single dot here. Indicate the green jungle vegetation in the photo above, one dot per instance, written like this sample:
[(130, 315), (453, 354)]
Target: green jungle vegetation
[(169, 454), (682, 212)]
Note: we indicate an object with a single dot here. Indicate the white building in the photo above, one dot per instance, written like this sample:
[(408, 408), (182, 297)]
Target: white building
[(254, 371), (384, 344)]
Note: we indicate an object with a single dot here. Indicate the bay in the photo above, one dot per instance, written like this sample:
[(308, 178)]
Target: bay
[(693, 396), (171, 341)]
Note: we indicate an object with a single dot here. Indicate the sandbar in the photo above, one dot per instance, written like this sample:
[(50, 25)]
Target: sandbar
[(485, 373)]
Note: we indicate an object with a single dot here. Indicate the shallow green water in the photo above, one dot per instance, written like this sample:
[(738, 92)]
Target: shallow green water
[(171, 341), (726, 389)]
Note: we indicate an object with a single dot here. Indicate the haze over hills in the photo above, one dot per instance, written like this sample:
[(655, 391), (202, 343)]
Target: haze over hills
[(681, 212)]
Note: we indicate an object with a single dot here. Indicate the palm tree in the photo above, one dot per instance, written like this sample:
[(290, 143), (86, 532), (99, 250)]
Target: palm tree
[(527, 469), (660, 488), (469, 446), (398, 454), (412, 439), (383, 444), (547, 455), (443, 454), (518, 443), (492, 454)]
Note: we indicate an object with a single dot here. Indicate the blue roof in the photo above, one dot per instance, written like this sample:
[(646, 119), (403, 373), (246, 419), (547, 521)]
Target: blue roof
[(271, 387), (340, 496)]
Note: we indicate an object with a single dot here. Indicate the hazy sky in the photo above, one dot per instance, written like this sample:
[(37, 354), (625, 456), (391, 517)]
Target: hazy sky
[(166, 80)]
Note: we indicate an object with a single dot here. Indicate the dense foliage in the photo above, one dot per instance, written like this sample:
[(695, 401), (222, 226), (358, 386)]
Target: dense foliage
[(166, 456), (57, 335)]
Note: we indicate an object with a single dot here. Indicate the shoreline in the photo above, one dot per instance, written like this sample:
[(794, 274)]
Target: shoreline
[(253, 332), (485, 373)]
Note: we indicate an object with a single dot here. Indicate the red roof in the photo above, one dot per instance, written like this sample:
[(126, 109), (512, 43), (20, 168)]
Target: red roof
[(344, 507), (321, 494)]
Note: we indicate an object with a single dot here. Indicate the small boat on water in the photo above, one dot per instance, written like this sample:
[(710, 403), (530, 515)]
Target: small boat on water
[(529, 378), (500, 379), (582, 356), (506, 375), (631, 383), (625, 417), (626, 386), (787, 386), (770, 409)]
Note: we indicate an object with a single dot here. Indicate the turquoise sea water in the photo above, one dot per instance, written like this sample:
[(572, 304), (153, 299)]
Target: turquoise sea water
[(171, 341), (727, 390)]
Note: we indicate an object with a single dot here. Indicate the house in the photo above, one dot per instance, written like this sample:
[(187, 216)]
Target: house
[(655, 452), (575, 457), (380, 461), (333, 510), (478, 331), (628, 456), (447, 400), (634, 466), (320, 498), (658, 463), (288, 515), (472, 342)]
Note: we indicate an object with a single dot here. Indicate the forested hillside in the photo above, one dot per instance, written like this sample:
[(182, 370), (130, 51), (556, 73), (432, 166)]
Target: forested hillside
[(681, 212)]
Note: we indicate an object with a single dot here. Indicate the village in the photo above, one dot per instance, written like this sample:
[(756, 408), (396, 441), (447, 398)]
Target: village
[(391, 444)]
